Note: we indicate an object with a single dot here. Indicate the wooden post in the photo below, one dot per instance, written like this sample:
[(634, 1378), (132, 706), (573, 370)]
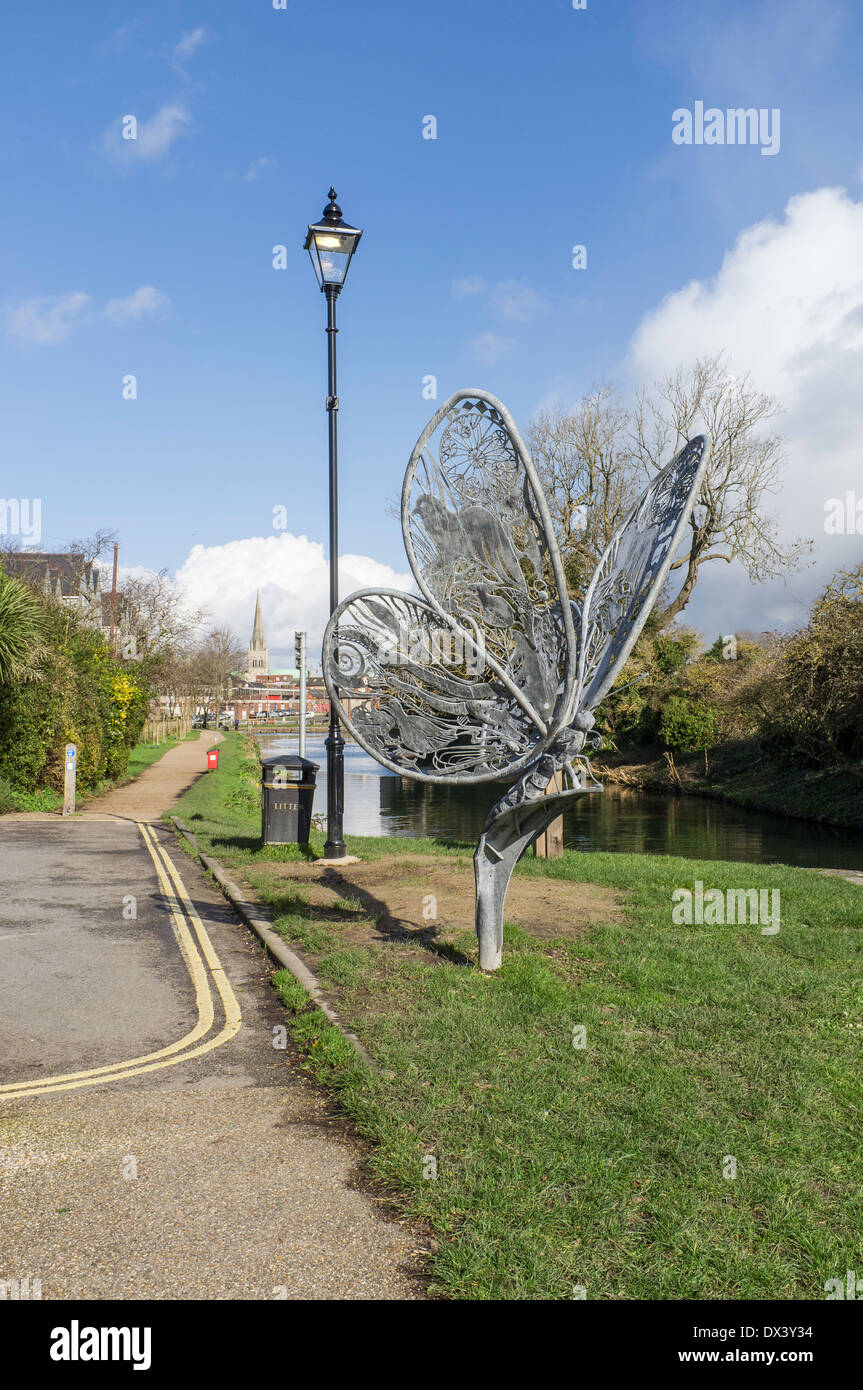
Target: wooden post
[(71, 770), (549, 845)]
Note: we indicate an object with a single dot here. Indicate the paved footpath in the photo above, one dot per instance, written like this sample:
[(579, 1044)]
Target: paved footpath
[(159, 786), (153, 1141)]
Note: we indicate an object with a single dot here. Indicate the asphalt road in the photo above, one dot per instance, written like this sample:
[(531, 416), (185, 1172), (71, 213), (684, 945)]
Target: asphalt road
[(153, 1141), (90, 970)]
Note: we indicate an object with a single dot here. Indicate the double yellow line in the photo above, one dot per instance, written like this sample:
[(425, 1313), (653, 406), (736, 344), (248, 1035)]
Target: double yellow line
[(201, 972)]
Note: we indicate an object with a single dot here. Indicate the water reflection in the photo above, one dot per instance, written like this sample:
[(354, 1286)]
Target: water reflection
[(378, 803)]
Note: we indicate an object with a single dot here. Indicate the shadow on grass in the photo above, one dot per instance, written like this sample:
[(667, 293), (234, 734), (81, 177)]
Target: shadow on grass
[(264, 854), (388, 927)]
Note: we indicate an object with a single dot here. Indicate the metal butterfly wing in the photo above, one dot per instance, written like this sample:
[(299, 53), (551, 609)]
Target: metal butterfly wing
[(469, 680), (621, 594), (484, 676)]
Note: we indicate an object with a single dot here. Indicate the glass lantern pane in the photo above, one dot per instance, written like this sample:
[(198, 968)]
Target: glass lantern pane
[(334, 253)]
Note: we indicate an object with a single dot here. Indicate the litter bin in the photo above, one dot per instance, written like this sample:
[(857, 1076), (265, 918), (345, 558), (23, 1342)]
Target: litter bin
[(287, 796), (212, 759)]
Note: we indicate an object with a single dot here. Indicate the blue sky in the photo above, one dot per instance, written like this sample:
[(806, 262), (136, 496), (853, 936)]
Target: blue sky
[(155, 257)]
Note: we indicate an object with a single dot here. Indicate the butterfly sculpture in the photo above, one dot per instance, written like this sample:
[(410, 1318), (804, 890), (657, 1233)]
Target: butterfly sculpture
[(492, 672)]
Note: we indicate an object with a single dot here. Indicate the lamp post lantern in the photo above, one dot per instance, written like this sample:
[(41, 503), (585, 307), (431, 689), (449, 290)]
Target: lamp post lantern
[(331, 244)]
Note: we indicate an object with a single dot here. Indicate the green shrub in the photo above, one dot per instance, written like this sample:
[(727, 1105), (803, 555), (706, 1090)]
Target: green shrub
[(9, 797), (671, 652), (813, 696), (21, 630), (687, 725), (80, 693)]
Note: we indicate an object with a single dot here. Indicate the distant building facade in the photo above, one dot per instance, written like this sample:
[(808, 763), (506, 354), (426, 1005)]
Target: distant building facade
[(68, 579)]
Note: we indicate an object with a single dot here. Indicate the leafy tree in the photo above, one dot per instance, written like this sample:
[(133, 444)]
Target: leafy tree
[(813, 695), (670, 653)]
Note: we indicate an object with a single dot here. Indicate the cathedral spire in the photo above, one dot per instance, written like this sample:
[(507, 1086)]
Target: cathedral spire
[(259, 656), (258, 639)]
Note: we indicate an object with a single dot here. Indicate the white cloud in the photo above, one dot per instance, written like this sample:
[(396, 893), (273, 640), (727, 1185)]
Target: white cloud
[(49, 320), (366, 573), (489, 348), (293, 577), (154, 138), (515, 302), (256, 168), (119, 39), (145, 300), (511, 300), (786, 306), (788, 299), (468, 285), (187, 48)]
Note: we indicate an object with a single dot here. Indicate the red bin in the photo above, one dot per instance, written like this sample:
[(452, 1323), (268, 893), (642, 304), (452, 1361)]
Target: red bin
[(212, 759)]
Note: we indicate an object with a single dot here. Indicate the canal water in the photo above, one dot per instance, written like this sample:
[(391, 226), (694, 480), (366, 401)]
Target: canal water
[(379, 803)]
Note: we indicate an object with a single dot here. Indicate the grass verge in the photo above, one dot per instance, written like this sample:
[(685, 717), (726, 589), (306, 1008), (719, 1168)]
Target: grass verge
[(540, 1165), (11, 799)]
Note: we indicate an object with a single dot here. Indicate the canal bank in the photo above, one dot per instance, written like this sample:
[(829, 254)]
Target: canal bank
[(743, 775), (652, 818)]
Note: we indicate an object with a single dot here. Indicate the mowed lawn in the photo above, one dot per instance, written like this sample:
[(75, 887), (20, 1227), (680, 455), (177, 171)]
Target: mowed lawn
[(541, 1168)]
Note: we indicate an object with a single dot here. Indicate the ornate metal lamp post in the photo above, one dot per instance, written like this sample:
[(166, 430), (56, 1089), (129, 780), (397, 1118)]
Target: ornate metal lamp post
[(331, 244)]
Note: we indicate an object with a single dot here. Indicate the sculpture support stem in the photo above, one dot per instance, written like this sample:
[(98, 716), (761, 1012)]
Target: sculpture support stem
[(501, 845)]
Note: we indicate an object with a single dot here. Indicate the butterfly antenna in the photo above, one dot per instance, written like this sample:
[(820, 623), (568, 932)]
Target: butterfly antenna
[(628, 686)]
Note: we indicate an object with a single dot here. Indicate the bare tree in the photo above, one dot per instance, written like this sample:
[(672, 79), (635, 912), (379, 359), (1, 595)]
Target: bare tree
[(215, 662), (593, 461), (91, 547), (729, 522), (589, 476), (155, 611)]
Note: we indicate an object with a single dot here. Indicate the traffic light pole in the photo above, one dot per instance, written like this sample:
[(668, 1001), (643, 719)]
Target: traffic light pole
[(300, 649)]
